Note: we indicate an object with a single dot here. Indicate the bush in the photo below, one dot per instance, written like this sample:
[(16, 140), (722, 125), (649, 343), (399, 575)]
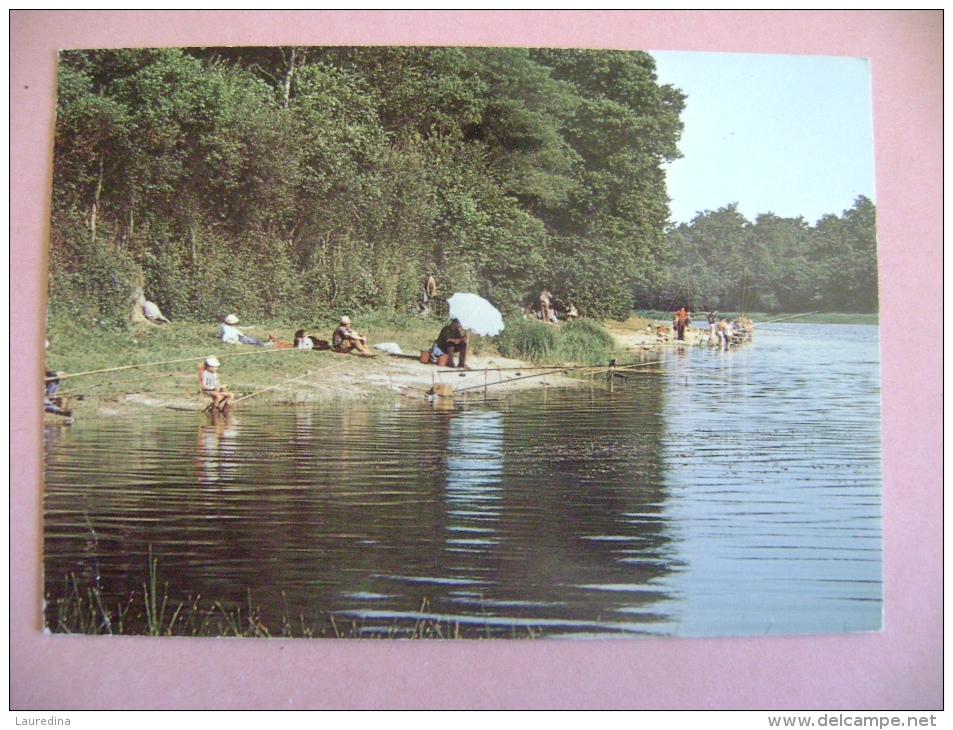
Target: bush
[(527, 339), (583, 341)]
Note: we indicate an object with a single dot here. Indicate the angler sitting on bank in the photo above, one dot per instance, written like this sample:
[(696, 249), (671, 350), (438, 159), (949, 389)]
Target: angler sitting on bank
[(450, 341), (304, 341), (51, 403), (49, 398), (345, 339)]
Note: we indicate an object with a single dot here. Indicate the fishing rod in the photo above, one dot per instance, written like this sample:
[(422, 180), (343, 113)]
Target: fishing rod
[(622, 368), (525, 369), (265, 351), (510, 380), (289, 380), (790, 316), (85, 389), (596, 369)]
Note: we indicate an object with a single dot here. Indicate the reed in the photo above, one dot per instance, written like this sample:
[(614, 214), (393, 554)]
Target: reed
[(83, 611), (583, 341), (527, 339)]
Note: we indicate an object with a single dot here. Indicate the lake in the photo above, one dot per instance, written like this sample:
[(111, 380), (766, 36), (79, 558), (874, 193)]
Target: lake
[(710, 494)]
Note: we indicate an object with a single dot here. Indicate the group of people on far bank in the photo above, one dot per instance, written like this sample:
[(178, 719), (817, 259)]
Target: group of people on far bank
[(721, 332)]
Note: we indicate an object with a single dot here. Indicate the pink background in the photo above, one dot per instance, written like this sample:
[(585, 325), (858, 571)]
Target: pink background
[(897, 669)]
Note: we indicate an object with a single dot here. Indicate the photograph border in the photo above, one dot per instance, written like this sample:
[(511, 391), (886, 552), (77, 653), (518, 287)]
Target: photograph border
[(899, 668)]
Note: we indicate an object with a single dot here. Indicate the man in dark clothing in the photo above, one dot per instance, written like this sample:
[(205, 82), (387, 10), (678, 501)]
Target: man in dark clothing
[(453, 340), (682, 320)]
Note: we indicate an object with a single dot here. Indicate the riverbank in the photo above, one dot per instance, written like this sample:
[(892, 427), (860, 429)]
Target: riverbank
[(156, 366)]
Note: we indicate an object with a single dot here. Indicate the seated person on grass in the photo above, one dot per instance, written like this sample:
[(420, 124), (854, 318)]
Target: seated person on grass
[(345, 339), (231, 335)]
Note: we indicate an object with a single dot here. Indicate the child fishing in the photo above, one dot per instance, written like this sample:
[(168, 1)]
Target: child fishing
[(220, 395)]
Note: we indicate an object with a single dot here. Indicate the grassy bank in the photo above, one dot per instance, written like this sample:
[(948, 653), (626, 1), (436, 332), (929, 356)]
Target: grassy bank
[(163, 360), (166, 357)]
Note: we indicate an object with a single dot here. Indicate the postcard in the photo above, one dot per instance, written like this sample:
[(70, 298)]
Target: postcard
[(420, 342)]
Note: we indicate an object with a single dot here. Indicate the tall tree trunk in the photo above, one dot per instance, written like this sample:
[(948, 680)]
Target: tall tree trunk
[(288, 74), (296, 57), (95, 209)]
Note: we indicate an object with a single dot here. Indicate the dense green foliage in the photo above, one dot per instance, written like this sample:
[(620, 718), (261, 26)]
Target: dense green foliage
[(774, 264), (304, 182), (301, 183)]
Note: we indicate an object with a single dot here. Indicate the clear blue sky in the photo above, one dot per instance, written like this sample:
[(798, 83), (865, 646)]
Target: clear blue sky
[(790, 135)]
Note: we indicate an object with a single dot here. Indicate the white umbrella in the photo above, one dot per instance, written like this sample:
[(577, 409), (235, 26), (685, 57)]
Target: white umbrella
[(476, 314)]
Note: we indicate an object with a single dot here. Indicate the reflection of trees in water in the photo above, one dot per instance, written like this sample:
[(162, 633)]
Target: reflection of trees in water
[(505, 512), (323, 503), (577, 529)]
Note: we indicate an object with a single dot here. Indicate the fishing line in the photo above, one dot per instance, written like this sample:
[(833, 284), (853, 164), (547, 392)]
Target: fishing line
[(265, 351), (289, 380), (85, 389)]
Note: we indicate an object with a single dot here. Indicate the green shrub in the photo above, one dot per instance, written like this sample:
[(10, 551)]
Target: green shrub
[(584, 341), (527, 339)]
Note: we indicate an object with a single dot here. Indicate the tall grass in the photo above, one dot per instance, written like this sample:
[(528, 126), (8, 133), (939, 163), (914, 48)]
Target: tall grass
[(582, 341), (527, 339), (83, 611)]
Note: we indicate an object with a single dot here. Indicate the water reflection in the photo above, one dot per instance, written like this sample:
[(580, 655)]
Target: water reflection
[(776, 496), (736, 493), (216, 461), (473, 482)]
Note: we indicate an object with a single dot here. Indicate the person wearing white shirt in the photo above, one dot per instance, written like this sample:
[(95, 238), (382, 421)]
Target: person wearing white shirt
[(232, 336)]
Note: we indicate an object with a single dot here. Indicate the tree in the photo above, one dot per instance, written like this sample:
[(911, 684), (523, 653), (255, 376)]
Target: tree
[(288, 180)]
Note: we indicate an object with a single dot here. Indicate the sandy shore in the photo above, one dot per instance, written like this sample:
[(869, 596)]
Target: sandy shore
[(349, 377)]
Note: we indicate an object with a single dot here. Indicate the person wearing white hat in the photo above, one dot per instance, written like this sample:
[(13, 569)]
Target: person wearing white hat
[(232, 336), (345, 339), (220, 395)]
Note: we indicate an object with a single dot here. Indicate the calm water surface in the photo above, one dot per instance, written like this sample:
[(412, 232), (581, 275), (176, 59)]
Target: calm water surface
[(712, 494)]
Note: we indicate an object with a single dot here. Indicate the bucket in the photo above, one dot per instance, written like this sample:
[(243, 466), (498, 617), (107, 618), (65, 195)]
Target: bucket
[(425, 356), (442, 360)]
